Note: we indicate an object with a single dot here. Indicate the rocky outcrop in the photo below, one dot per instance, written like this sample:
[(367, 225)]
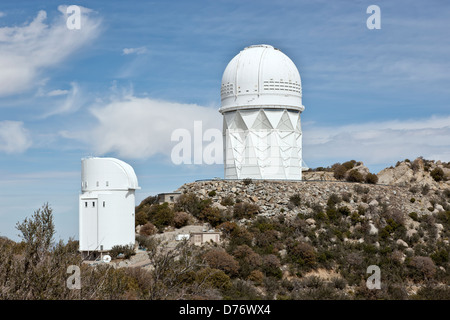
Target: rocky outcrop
[(418, 172)]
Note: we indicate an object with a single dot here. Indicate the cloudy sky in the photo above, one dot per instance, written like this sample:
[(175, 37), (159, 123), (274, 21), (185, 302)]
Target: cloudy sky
[(136, 71)]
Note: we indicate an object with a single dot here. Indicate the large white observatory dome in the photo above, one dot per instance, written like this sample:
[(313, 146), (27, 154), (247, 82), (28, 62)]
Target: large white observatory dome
[(261, 75), (261, 105)]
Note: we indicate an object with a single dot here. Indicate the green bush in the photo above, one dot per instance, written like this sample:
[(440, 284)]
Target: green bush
[(414, 216), (227, 201), (161, 215), (212, 193), (412, 200), (244, 210), (333, 199), (339, 172), (295, 199), (127, 251), (371, 178), (354, 176), (437, 174), (247, 181)]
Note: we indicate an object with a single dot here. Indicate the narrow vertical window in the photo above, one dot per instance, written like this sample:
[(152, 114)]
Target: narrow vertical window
[(93, 204), (85, 204), (107, 183), (103, 204), (98, 183)]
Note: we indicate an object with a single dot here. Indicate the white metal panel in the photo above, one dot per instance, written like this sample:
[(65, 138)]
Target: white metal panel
[(88, 224)]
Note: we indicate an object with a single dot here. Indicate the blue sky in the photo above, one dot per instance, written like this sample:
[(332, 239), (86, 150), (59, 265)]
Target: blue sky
[(138, 70)]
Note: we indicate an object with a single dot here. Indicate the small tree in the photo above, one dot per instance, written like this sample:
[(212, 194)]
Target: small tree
[(38, 233)]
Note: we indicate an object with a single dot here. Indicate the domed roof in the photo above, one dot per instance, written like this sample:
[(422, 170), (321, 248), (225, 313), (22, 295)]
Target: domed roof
[(107, 174), (261, 76)]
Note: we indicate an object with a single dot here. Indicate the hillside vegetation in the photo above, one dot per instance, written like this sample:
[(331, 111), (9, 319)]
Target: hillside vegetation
[(312, 239)]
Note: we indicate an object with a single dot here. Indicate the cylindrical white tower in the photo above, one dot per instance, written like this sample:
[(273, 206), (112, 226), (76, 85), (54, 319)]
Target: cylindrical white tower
[(261, 105), (106, 204)]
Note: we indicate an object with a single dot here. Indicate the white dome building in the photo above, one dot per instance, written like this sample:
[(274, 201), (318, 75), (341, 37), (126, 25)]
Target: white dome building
[(106, 204), (261, 105)]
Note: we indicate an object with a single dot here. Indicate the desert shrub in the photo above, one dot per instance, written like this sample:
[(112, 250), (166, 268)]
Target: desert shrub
[(361, 189), (227, 227), (212, 216), (266, 240), (349, 164), (147, 202), (180, 219), (220, 259), (414, 189), (227, 201), (247, 181), (145, 242), (429, 292), (161, 215), (302, 253), (240, 236), (189, 202), (346, 196), (437, 174), (414, 216), (148, 229), (344, 210), (244, 210), (424, 265), (446, 193), (248, 260), (256, 276), (127, 251), (444, 218), (140, 218), (339, 283), (412, 200), (242, 290), (271, 266), (215, 278), (212, 193), (333, 199), (339, 172), (371, 178), (425, 189), (440, 257), (295, 199), (354, 176)]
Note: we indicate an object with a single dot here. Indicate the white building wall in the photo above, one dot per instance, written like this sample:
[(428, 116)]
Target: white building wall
[(107, 204), (263, 144)]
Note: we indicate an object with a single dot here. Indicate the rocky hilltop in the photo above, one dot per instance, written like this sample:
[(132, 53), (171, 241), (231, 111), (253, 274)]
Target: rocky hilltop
[(315, 238)]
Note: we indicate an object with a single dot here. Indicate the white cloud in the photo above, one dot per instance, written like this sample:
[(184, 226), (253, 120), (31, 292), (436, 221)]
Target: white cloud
[(140, 50), (379, 143), (14, 138), (57, 92), (27, 50), (70, 104), (140, 127)]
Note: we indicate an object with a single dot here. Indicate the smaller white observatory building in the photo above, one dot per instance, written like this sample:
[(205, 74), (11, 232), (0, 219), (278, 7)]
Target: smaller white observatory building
[(261, 97), (106, 204)]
